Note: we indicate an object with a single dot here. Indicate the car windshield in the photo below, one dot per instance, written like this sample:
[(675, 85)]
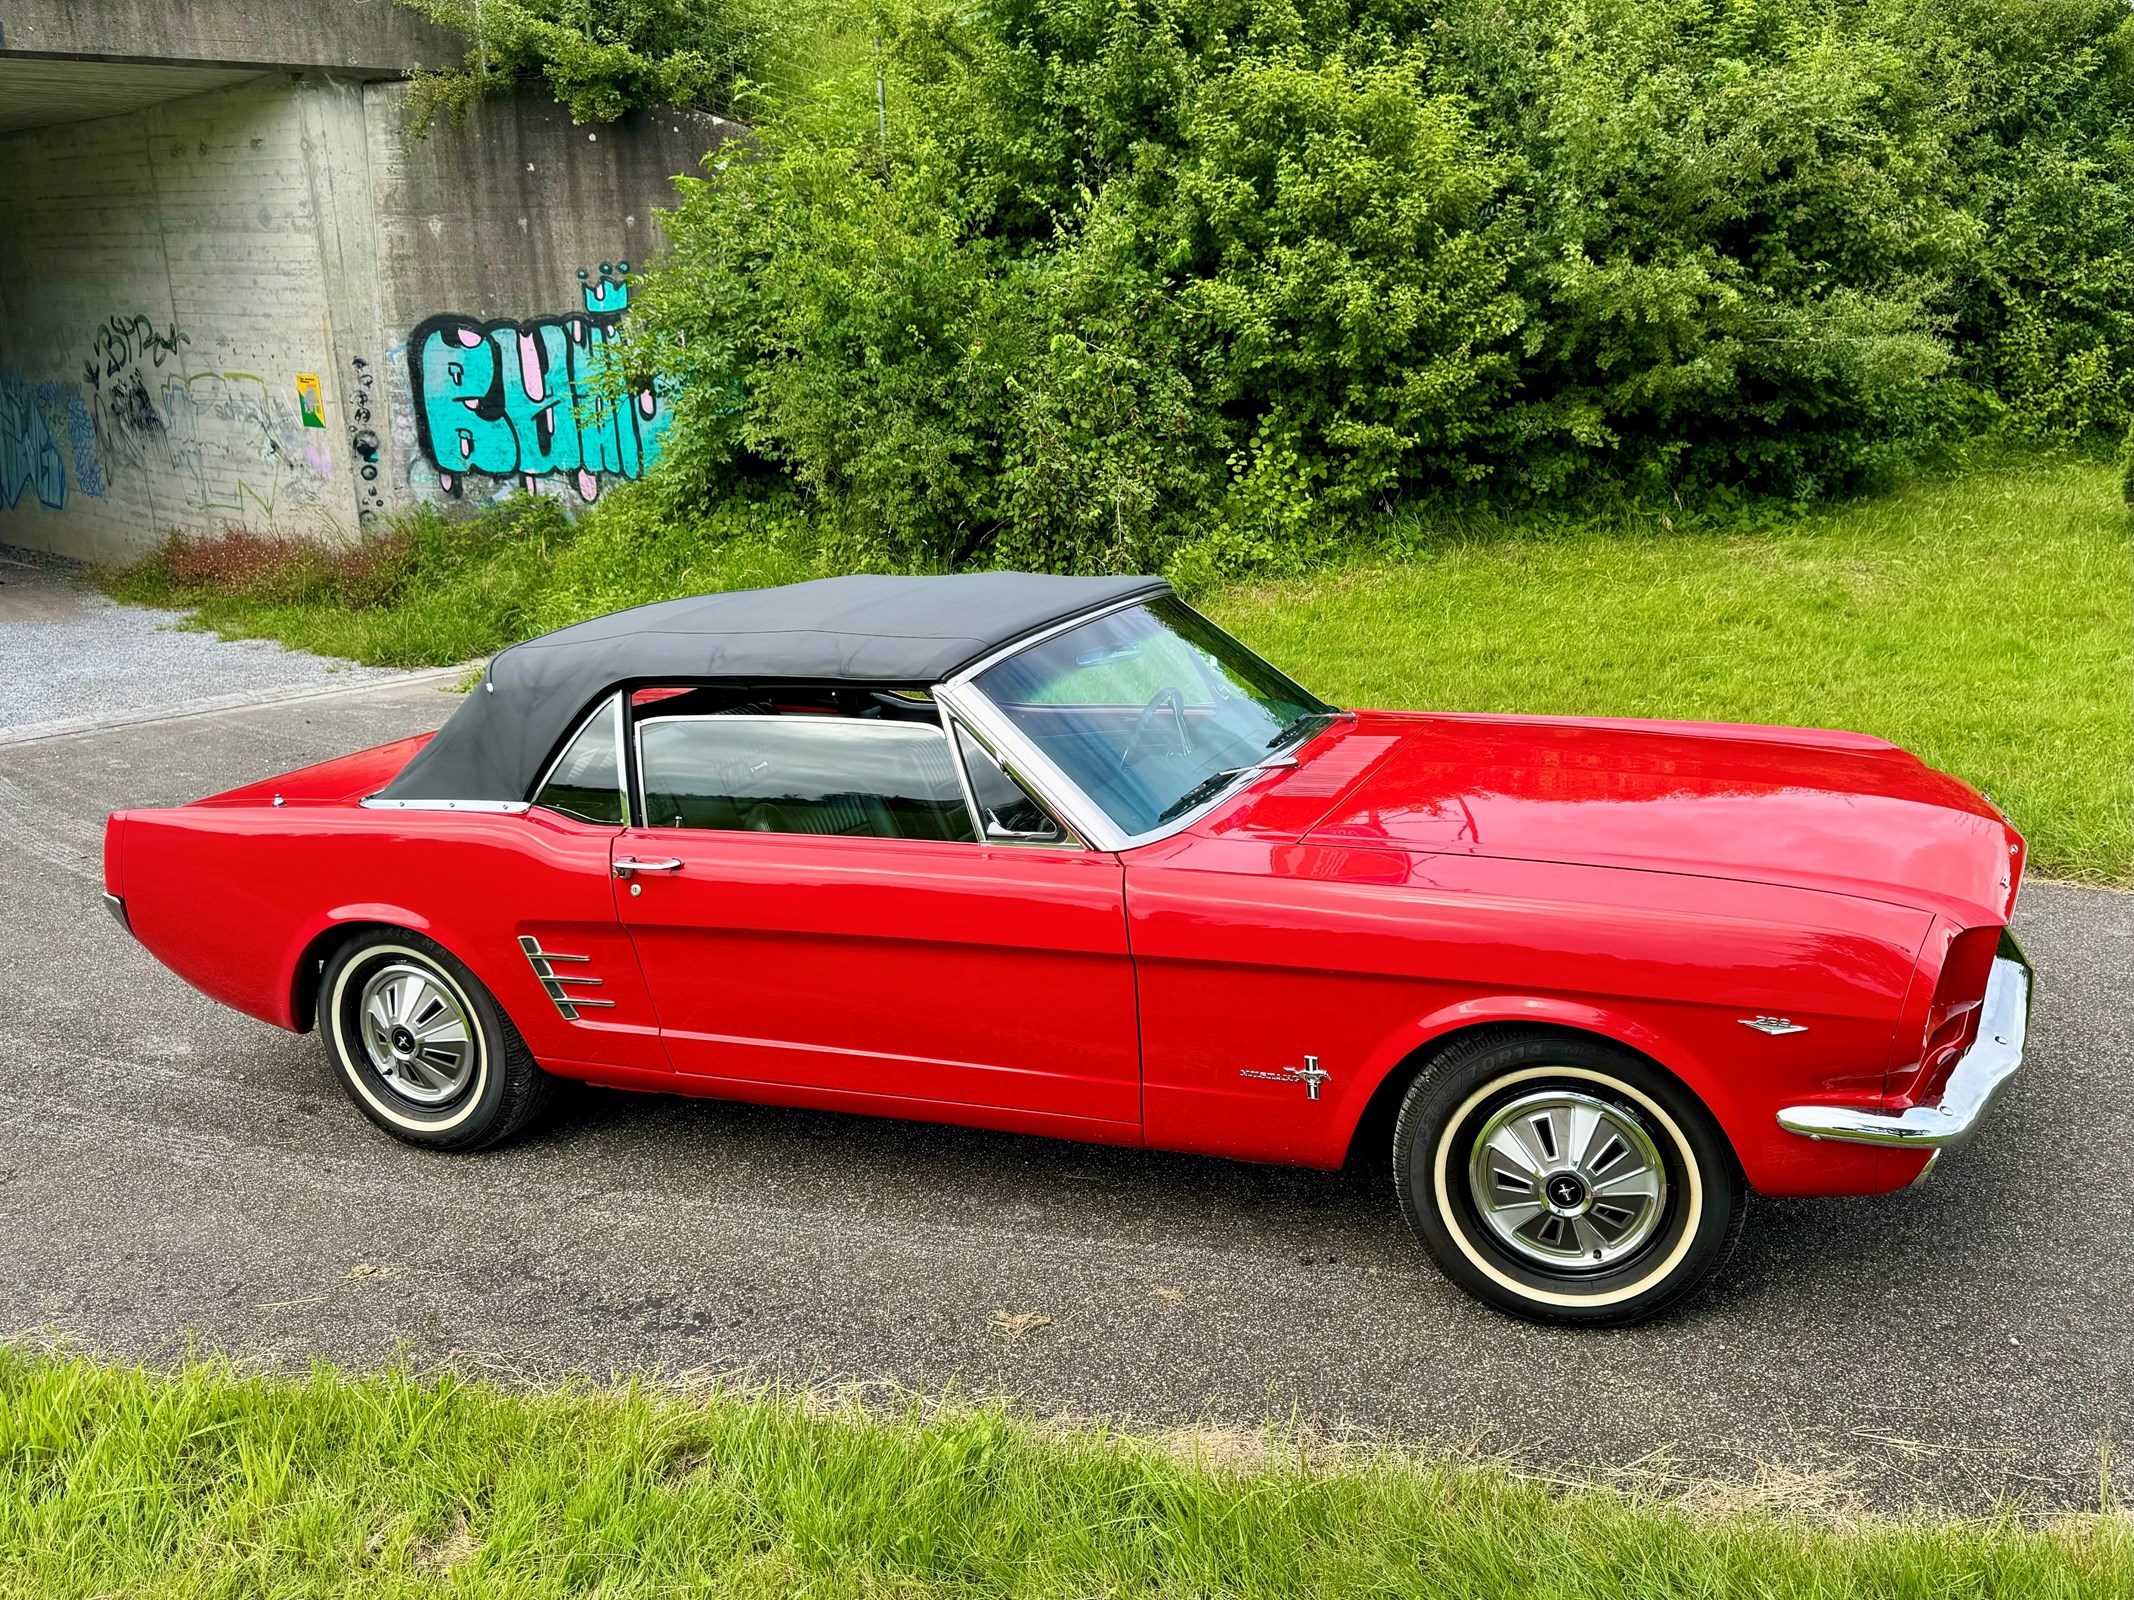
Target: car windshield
[(1151, 710)]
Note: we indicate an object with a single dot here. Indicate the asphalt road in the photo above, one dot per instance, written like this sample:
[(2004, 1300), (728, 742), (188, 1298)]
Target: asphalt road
[(173, 1175)]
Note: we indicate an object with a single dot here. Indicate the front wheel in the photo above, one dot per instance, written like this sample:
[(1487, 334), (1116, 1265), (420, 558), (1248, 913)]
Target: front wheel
[(422, 1048), (1565, 1180)]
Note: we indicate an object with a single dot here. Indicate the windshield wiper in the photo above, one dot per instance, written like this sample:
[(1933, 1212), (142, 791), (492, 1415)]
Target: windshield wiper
[(1215, 780), (1294, 734)]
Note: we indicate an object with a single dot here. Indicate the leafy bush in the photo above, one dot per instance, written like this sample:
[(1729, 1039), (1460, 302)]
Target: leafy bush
[(1205, 281)]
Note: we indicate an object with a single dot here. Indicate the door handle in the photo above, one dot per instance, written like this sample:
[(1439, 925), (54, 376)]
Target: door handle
[(629, 864)]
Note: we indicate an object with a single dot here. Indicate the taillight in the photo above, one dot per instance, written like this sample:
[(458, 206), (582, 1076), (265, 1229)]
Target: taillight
[(1953, 1016)]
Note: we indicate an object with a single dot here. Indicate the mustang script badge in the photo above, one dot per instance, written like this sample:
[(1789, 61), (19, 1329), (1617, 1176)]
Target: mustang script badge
[(1310, 1075)]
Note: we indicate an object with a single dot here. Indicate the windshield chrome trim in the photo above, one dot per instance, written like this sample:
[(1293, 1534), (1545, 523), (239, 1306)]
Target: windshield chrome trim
[(1054, 790), (1051, 785), (964, 675)]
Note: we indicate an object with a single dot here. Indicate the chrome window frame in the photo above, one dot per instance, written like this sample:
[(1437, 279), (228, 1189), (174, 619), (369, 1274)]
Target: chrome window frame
[(952, 724), (1038, 773), (957, 699), (622, 766), (637, 730)]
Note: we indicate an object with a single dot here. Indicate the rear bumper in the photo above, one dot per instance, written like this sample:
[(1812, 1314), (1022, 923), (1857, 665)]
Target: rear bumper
[(1976, 1083)]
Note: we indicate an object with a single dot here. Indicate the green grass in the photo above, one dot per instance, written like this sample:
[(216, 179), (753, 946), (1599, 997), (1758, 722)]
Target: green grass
[(1985, 621), (211, 1482)]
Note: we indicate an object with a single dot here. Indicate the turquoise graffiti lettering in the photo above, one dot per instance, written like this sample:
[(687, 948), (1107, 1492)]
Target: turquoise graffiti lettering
[(522, 399)]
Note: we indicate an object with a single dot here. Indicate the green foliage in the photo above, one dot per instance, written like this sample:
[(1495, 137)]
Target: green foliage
[(600, 57), (213, 1481), (1204, 282)]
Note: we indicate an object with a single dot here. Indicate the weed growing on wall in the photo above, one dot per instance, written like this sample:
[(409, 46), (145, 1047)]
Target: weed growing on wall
[(600, 57), (1205, 282)]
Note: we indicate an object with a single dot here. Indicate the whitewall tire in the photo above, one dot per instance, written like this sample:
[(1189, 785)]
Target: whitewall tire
[(421, 1047), (1564, 1179)]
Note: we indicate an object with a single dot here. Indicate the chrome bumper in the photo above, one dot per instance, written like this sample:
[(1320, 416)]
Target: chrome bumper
[(1975, 1084), (117, 908)]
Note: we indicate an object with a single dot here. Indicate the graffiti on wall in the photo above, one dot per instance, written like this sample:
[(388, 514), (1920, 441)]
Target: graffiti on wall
[(525, 401), (239, 443), (65, 401), (124, 423), (363, 440), (29, 457)]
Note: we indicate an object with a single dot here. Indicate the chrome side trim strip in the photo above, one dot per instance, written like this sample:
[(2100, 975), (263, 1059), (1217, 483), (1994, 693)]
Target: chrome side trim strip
[(509, 808), (543, 962), (1976, 1083)]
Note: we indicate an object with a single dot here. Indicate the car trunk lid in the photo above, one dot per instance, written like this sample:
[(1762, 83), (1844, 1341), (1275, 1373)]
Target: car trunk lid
[(341, 781)]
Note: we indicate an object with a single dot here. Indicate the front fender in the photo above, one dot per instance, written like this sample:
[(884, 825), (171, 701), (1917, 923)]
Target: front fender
[(1774, 1162)]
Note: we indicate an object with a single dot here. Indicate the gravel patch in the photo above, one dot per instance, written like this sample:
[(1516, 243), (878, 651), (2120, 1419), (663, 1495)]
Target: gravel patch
[(69, 656)]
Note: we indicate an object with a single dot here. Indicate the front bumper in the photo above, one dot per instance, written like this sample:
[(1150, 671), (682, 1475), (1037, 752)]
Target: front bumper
[(1973, 1086)]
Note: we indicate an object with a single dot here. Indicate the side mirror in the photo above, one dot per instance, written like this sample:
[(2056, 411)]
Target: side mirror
[(1006, 835)]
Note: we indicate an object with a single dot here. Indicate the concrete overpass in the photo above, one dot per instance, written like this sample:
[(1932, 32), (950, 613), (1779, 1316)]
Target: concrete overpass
[(235, 293)]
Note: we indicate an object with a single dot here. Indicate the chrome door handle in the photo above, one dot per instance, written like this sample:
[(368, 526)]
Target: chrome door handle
[(630, 864)]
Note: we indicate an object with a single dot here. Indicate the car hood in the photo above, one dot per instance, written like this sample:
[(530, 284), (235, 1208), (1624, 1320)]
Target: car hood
[(1809, 807)]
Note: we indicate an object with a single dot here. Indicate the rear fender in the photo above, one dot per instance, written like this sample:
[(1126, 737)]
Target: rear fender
[(328, 931)]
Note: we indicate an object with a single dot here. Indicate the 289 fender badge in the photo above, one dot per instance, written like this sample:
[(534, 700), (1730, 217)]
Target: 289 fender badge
[(1311, 1075), (1773, 1025)]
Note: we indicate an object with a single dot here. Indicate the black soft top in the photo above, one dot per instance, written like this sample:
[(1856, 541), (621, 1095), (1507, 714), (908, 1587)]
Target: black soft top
[(902, 632)]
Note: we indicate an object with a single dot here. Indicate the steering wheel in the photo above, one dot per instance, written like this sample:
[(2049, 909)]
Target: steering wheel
[(1166, 699)]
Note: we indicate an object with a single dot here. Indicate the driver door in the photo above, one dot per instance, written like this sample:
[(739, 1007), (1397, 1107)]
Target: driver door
[(811, 911)]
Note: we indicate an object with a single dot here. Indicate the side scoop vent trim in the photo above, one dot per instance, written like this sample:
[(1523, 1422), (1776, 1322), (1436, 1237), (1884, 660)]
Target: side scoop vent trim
[(568, 1001)]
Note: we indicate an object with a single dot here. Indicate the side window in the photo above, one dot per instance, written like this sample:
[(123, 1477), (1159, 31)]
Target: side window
[(1003, 805), (586, 781), (801, 774)]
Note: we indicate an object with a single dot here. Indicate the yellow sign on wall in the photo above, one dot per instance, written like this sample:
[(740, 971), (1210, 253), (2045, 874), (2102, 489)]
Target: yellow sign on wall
[(309, 401)]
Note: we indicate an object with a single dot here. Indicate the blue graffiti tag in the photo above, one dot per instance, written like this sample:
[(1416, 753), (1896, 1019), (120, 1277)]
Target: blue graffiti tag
[(521, 399), (64, 400), (28, 457)]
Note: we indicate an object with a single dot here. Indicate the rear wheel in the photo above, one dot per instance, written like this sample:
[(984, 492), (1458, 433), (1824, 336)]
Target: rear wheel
[(1565, 1180), (422, 1047)]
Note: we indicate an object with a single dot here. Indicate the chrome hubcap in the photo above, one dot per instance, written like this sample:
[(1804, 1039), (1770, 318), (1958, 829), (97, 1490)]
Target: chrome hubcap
[(1567, 1181), (416, 1034)]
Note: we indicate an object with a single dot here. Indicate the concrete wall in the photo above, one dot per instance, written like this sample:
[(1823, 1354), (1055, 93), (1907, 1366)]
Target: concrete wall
[(503, 253), (267, 307), (362, 36)]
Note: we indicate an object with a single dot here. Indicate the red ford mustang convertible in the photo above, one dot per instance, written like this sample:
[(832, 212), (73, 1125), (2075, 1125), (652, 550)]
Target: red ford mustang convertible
[(1057, 855)]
